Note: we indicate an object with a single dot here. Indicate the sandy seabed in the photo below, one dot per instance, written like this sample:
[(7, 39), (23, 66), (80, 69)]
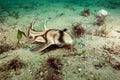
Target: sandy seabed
[(96, 54)]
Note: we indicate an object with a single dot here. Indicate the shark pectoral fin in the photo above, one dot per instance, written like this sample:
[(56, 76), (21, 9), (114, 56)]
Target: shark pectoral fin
[(41, 47), (34, 49), (44, 47)]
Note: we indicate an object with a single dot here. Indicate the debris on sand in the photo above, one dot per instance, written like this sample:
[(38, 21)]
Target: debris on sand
[(101, 15)]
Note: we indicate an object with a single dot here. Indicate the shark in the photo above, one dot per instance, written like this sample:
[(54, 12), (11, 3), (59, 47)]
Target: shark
[(48, 37)]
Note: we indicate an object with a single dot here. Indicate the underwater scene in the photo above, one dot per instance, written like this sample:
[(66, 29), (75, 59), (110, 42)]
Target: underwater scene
[(59, 39)]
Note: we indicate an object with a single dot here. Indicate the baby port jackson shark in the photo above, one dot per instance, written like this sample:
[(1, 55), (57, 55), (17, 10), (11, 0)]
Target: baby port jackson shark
[(48, 37)]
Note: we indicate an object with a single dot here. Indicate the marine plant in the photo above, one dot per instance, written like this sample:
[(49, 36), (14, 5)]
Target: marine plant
[(54, 63), (116, 67), (77, 30), (12, 64), (5, 48), (19, 36), (85, 12), (51, 70)]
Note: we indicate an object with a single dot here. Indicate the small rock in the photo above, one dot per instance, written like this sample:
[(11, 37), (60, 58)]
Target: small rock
[(79, 69)]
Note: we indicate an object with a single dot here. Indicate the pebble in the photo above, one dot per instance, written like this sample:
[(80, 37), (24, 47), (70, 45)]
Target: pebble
[(30, 71), (68, 62), (41, 73), (79, 69)]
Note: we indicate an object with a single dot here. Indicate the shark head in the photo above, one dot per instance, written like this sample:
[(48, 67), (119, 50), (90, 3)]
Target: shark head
[(32, 33)]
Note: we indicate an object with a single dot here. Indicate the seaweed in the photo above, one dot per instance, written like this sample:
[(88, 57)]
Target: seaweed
[(51, 70), (13, 64), (5, 69), (54, 63), (19, 36), (116, 67), (5, 48), (77, 30), (85, 12)]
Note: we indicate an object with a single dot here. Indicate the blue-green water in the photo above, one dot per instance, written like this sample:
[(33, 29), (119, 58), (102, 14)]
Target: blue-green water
[(16, 8), (10, 5), (54, 8), (111, 4)]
